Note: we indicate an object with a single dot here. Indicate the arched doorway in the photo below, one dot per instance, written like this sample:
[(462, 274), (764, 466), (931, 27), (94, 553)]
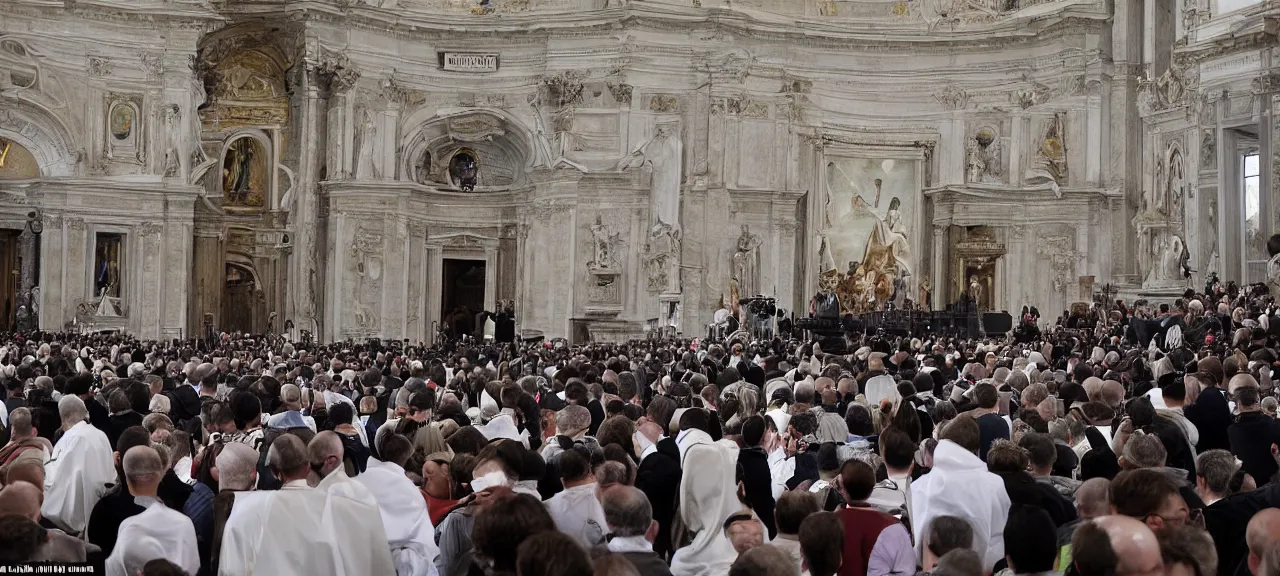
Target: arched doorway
[(238, 299)]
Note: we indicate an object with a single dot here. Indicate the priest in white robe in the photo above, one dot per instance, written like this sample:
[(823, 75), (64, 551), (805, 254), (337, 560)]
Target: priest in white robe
[(708, 496), (78, 471), (301, 530), (158, 532), (404, 512)]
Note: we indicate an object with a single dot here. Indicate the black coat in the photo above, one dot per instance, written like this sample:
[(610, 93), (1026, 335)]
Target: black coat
[(1226, 520), (659, 478), (1251, 438), (647, 563), (121, 422), (757, 481), (1212, 417), (1023, 489), (184, 403)]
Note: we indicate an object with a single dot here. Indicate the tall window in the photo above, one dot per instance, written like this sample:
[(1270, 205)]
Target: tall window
[(1252, 206)]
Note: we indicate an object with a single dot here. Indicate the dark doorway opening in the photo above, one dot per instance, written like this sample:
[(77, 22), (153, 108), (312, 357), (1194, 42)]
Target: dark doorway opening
[(238, 299), (462, 295), (11, 266)]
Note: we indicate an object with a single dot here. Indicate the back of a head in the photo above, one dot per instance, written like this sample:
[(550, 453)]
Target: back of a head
[(627, 511), (753, 430), (986, 395), (20, 537), (1142, 492), (1216, 467), (499, 529), (1030, 539), (1093, 498), (792, 508), (162, 567), (1005, 456), (1091, 551), (552, 554), (573, 466), (963, 430), (947, 533), (142, 465), (288, 455), (695, 419), (72, 410), (959, 562), (236, 465), (1144, 451), (396, 449), (821, 541), (857, 479), (764, 560), (573, 419)]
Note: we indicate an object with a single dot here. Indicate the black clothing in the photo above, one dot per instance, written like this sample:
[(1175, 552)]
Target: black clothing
[(658, 476), (1251, 438), (1023, 489), (184, 403), (992, 427), (757, 481), (647, 563), (118, 423), (597, 416), (99, 416), (1212, 417), (1226, 520)]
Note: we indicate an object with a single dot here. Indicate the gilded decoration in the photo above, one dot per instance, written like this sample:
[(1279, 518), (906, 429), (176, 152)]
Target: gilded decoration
[(249, 91), (16, 162), (244, 174)]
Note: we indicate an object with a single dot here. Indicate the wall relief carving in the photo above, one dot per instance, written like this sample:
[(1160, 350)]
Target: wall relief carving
[(665, 104), (1209, 150), (1049, 165)]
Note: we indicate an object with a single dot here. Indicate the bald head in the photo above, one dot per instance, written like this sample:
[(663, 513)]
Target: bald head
[(1134, 544), (142, 466), (1093, 498), (236, 467), (1262, 535), (1113, 393), (627, 511), (291, 396), (325, 450), (288, 458), (22, 499)]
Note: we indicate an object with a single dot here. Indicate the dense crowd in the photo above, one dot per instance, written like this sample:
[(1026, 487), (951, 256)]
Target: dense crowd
[(1122, 440)]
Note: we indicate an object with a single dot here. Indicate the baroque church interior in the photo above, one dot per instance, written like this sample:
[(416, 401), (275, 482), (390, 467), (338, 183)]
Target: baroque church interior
[(388, 168)]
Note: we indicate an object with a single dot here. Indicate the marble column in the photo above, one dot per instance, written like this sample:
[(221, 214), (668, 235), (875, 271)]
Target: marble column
[(28, 251), (939, 266)]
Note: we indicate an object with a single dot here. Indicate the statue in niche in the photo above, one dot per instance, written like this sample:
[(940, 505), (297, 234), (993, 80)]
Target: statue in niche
[(925, 289), (1050, 166), (1208, 151), (975, 289), (663, 154), (604, 242), (365, 138), (422, 169), (244, 173), (1177, 182), (1170, 262), (464, 170), (1160, 194), (975, 163), (746, 262)]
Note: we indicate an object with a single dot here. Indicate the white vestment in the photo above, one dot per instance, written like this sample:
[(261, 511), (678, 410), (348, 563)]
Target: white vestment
[(881, 387), (578, 513), (404, 518), (324, 535), (76, 476), (960, 485), (708, 496), (157, 532)]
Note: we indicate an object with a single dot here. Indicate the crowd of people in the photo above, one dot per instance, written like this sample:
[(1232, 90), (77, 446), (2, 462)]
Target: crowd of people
[(1137, 440)]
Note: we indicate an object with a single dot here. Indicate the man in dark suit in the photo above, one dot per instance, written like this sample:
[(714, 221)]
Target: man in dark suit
[(757, 480), (632, 529), (658, 477)]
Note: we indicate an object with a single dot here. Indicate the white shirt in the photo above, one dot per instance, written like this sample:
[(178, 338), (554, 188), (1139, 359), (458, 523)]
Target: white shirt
[(76, 476), (157, 532), (578, 513)]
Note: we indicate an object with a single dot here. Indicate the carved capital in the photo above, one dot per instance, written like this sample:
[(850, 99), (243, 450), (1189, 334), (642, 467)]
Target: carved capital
[(152, 65), (952, 98), (52, 222), (621, 93), (337, 73), (564, 89), (75, 224), (148, 229), (99, 66), (396, 93)]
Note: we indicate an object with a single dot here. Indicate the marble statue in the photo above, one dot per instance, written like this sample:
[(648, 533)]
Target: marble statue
[(364, 147), (663, 154), (106, 307), (1170, 260), (746, 262), (603, 242), (975, 164), (924, 289)]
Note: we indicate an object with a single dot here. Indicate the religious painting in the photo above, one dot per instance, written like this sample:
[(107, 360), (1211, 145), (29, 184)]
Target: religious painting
[(463, 169), (865, 243), (108, 250), (244, 174), (121, 120), (16, 162)]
